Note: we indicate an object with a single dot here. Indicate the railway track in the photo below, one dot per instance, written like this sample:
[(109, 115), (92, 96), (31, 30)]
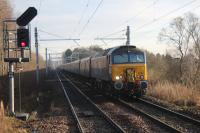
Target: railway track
[(181, 116), (140, 112), (173, 119), (169, 119), (151, 117), (88, 116)]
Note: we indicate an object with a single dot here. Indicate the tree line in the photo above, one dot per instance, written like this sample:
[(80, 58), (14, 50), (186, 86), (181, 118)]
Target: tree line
[(82, 52)]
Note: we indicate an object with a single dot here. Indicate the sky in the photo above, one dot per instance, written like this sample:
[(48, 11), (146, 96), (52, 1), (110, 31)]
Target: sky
[(90, 19)]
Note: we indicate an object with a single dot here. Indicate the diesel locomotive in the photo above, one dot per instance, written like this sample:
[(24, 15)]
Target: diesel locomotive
[(122, 69)]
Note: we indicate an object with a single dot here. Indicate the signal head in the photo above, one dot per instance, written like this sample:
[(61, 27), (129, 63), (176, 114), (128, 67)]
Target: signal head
[(23, 38)]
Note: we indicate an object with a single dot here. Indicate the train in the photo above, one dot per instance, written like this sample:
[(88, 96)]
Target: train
[(121, 69)]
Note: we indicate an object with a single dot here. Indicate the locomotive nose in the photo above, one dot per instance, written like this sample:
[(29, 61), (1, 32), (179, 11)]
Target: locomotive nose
[(130, 74)]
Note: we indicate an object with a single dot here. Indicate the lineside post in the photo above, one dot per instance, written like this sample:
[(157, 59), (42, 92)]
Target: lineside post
[(49, 63), (128, 36), (11, 88), (46, 62), (37, 56)]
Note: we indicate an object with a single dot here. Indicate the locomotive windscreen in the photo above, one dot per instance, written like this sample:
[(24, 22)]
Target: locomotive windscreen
[(127, 56)]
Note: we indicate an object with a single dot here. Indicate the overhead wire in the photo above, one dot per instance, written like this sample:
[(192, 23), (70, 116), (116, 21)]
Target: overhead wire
[(90, 18), (160, 17), (138, 42), (114, 33), (40, 5), (167, 14), (52, 34), (170, 12), (81, 17), (138, 28), (56, 35), (139, 13), (156, 19), (130, 19), (84, 11), (147, 32)]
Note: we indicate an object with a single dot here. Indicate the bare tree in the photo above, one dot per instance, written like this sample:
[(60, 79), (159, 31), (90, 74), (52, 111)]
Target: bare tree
[(194, 30), (177, 34), (5, 12)]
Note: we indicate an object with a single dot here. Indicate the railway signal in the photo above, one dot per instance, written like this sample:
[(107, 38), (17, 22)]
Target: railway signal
[(12, 50), (27, 16), (23, 38)]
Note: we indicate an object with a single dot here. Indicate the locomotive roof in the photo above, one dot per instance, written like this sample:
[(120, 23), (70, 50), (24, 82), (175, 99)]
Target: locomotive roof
[(111, 50)]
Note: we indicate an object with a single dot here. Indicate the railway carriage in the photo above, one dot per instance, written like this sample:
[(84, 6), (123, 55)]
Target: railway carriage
[(99, 68), (73, 67), (85, 66), (121, 68)]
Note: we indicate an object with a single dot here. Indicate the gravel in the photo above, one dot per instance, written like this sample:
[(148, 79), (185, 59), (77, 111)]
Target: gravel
[(132, 122), (127, 119), (174, 121), (90, 119), (53, 113), (193, 111)]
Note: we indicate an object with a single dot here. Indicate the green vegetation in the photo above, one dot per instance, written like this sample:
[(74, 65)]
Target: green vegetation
[(82, 52)]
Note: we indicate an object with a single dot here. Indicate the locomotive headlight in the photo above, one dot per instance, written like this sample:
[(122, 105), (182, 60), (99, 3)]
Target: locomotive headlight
[(141, 77), (117, 77)]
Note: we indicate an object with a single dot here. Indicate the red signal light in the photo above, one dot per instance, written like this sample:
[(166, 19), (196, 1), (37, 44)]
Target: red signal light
[(23, 44), (23, 38)]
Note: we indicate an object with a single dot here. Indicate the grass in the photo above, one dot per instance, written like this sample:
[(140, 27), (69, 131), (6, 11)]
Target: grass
[(9, 125), (29, 93), (175, 93)]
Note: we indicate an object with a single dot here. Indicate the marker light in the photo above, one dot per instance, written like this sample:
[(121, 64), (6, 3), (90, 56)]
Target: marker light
[(23, 44)]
